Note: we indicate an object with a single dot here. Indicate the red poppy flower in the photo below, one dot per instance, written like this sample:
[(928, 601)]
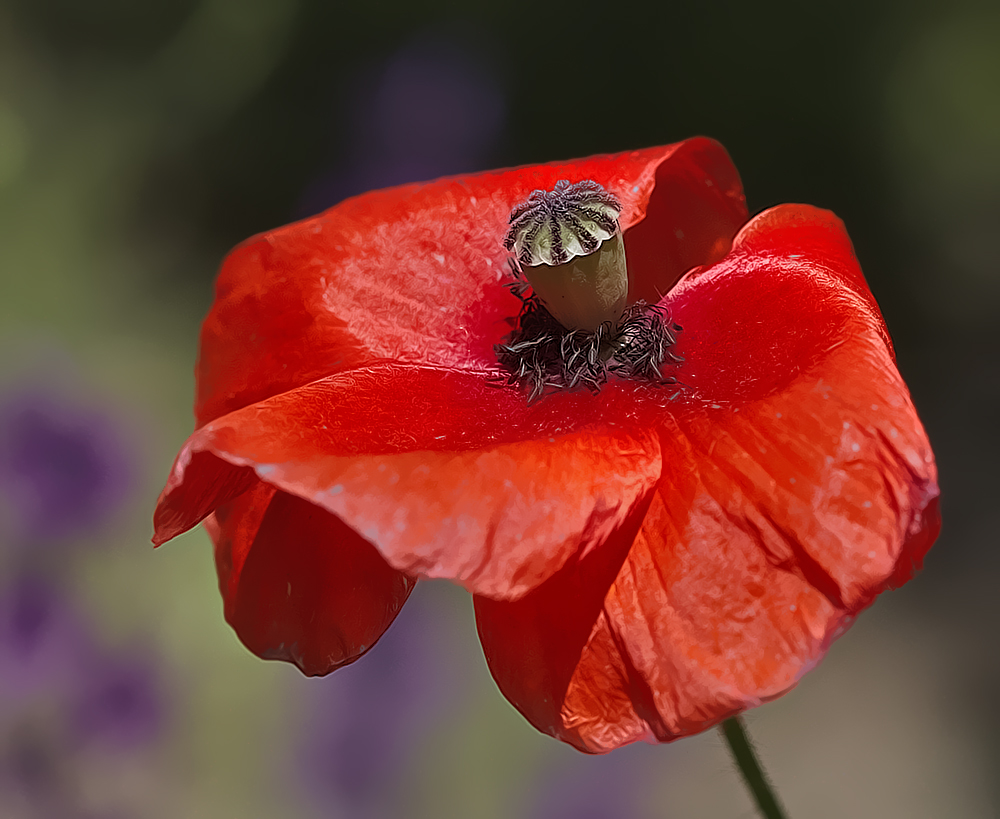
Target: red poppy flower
[(646, 559)]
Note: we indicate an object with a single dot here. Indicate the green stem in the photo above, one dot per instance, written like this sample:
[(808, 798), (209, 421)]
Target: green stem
[(753, 774)]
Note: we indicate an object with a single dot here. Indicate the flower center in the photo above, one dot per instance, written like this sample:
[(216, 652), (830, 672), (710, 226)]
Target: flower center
[(574, 326)]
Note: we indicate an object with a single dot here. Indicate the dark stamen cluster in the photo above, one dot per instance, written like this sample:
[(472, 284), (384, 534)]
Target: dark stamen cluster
[(543, 355), (645, 336), (566, 208)]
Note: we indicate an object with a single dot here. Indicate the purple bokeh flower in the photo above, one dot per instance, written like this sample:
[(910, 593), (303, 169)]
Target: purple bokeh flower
[(435, 107), (64, 469), (41, 777), (43, 642), (120, 702), (66, 703), (590, 787), (33, 775), (365, 722), (48, 653), (65, 700)]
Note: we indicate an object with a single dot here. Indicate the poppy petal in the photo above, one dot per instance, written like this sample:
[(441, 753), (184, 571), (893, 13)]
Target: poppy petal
[(534, 645), (792, 378), (447, 474), (798, 483), (300, 585), (414, 273), (695, 209)]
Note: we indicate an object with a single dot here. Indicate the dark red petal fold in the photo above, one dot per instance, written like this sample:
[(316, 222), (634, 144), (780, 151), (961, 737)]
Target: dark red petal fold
[(445, 473), (534, 644), (300, 585), (414, 274), (797, 484), (695, 209)]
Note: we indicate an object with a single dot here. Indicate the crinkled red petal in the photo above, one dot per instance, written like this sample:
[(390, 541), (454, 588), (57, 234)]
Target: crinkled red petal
[(414, 274), (300, 585), (447, 474), (797, 484)]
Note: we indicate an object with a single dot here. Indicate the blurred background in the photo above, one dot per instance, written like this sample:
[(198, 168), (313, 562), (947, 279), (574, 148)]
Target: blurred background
[(140, 141)]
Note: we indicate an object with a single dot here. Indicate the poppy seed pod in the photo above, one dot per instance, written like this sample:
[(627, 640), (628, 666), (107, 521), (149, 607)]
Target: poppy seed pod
[(570, 250)]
